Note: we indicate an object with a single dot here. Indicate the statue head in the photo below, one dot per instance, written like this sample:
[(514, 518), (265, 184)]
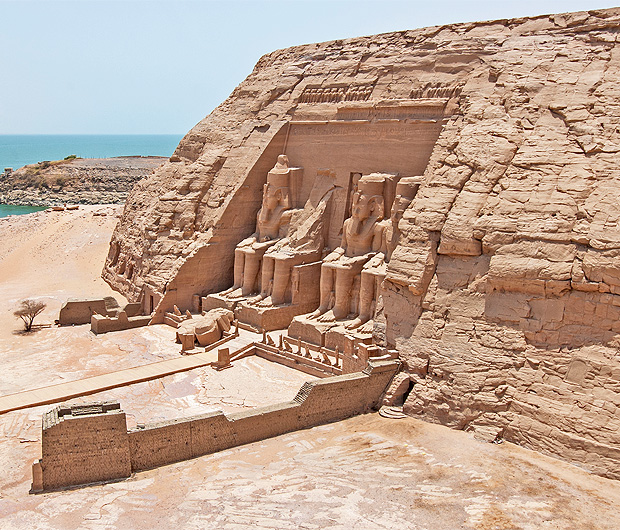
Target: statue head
[(274, 197), (281, 165), (406, 189), (368, 200), (275, 191)]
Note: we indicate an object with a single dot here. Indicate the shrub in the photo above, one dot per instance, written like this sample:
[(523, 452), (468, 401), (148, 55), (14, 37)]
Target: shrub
[(28, 311)]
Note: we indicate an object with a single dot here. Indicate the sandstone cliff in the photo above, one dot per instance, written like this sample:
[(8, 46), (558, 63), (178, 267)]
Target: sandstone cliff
[(503, 296), (77, 181)]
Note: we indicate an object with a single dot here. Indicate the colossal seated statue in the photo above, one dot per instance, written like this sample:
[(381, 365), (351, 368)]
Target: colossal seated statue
[(291, 267), (362, 238), (272, 223), (374, 270), (278, 263)]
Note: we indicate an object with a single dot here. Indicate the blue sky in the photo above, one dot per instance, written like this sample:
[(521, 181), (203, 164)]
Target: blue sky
[(145, 66)]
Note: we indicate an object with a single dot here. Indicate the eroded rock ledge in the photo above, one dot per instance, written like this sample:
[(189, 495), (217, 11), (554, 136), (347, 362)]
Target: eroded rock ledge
[(77, 181), (503, 296)]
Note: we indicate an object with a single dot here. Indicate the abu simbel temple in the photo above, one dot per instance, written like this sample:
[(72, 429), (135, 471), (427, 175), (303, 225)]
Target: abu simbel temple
[(444, 200)]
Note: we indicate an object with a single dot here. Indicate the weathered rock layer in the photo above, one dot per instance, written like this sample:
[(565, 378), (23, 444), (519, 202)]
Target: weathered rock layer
[(503, 296), (77, 181)]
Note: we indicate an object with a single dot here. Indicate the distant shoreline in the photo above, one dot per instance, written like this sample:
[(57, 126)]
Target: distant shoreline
[(76, 181), (18, 150)]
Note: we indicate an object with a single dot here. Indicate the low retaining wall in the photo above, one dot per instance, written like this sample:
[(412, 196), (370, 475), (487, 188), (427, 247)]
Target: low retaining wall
[(79, 311), (82, 444), (317, 402), (101, 324)]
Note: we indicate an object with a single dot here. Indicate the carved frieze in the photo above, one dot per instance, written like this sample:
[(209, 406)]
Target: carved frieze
[(337, 94), (436, 90)]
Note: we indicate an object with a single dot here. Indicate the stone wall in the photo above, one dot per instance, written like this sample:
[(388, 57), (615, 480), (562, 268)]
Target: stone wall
[(503, 294), (103, 324), (84, 444), (318, 402), (80, 311)]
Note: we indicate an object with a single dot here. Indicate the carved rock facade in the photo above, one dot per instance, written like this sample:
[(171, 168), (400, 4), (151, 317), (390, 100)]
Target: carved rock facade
[(503, 294)]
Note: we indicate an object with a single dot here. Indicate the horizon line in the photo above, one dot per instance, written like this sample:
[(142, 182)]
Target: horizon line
[(93, 134)]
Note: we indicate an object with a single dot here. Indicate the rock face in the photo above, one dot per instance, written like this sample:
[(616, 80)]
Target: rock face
[(77, 181), (503, 294)]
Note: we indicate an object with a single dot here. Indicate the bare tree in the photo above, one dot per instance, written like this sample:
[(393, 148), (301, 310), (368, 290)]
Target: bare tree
[(28, 311)]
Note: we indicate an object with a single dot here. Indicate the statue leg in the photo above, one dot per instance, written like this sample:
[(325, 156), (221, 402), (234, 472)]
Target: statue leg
[(367, 295), (267, 275), (326, 285), (344, 283), (250, 273), (239, 266), (238, 274), (281, 277)]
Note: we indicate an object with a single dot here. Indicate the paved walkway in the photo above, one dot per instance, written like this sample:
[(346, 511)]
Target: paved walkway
[(91, 385)]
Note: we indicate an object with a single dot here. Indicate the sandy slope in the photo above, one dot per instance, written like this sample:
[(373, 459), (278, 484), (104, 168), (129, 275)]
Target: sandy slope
[(365, 473), (52, 256)]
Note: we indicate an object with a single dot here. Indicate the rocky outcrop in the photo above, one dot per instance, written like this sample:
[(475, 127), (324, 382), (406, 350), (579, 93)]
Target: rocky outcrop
[(76, 181), (503, 296)]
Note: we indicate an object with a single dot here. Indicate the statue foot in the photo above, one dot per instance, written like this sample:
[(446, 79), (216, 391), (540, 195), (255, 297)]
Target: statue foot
[(228, 291), (264, 302), (316, 313), (356, 323), (339, 315), (327, 317), (367, 327), (235, 293)]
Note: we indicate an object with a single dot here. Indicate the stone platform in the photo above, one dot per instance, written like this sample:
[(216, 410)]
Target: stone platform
[(330, 335)]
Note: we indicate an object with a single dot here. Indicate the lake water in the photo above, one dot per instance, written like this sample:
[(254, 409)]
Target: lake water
[(9, 209), (18, 150)]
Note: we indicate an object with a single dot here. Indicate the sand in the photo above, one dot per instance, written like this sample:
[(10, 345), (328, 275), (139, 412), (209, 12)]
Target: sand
[(366, 472)]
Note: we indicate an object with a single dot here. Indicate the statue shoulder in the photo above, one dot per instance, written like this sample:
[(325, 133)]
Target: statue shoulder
[(287, 215), (381, 226)]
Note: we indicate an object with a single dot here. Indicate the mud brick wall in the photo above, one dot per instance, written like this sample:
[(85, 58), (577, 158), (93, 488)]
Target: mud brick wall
[(84, 448), (176, 440), (79, 311), (103, 324), (318, 402)]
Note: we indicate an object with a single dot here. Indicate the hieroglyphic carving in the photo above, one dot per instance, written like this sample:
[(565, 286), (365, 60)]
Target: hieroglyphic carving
[(346, 129), (335, 94), (412, 111), (436, 90)]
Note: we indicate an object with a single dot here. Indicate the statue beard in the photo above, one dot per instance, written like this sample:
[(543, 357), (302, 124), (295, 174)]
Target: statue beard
[(266, 215), (359, 225)]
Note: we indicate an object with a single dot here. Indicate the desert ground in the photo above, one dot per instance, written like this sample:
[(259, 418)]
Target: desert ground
[(366, 472)]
